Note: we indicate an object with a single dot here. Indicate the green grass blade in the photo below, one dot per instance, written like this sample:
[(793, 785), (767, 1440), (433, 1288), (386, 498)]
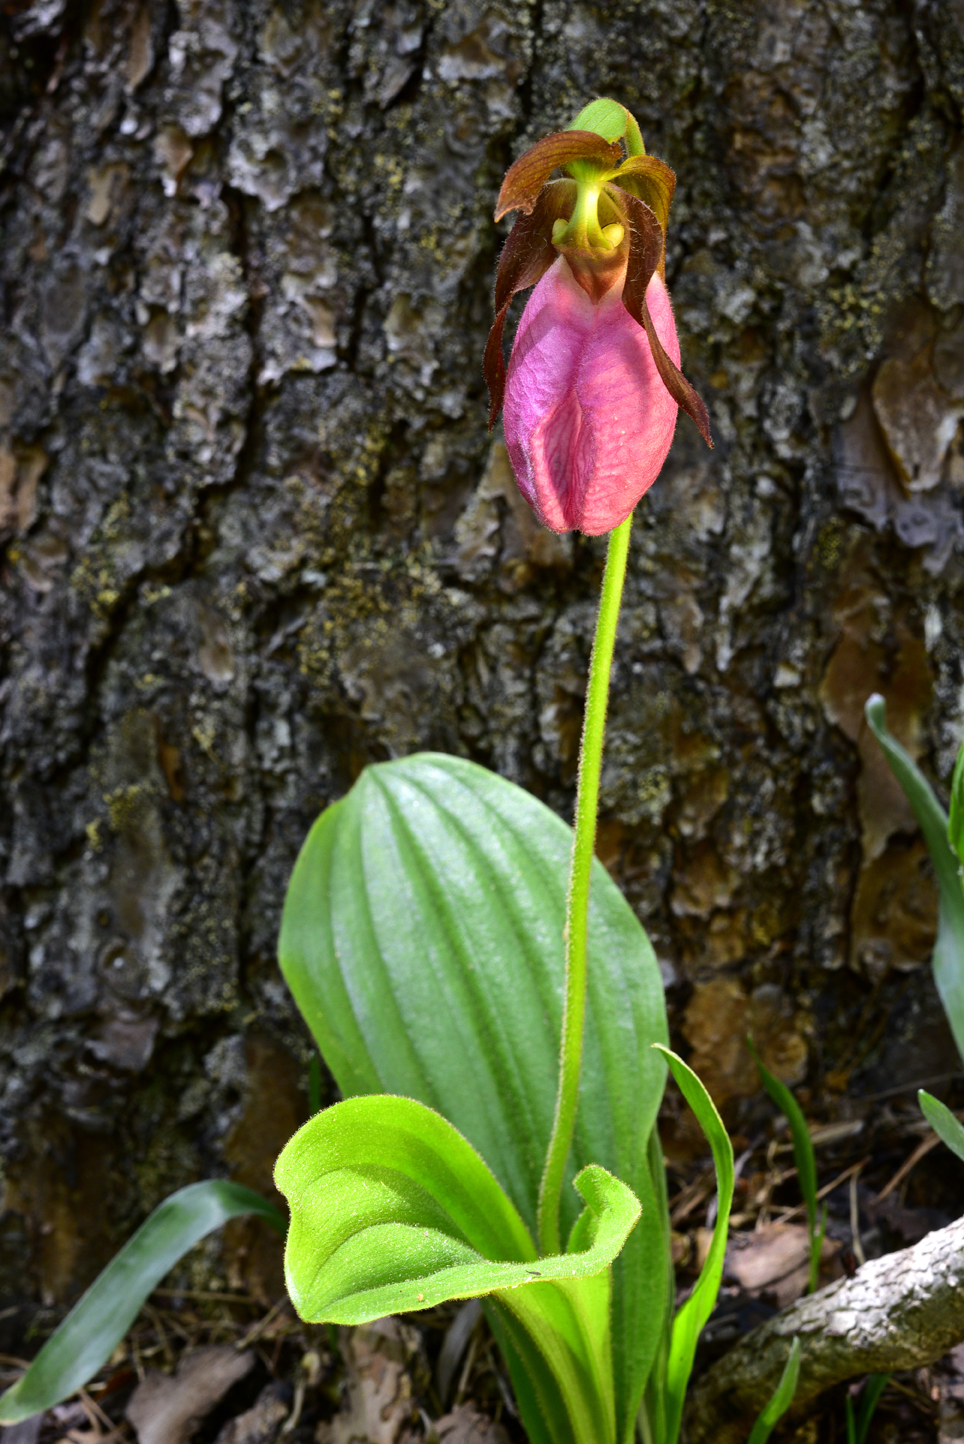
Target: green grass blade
[(694, 1313), (782, 1398), (955, 823), (874, 1387), (943, 1122), (803, 1153), (816, 1249), (96, 1324), (948, 960)]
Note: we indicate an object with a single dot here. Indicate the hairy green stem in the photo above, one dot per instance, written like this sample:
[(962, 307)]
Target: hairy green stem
[(577, 907)]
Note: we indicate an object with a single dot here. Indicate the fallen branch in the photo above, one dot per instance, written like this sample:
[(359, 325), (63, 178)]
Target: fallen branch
[(897, 1312)]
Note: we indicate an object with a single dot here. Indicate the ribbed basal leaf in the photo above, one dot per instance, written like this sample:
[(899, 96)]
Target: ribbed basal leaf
[(392, 1210), (570, 1325), (948, 959), (422, 939), (96, 1324)]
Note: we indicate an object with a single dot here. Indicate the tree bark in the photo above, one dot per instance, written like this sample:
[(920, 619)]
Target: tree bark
[(257, 535), (898, 1312)]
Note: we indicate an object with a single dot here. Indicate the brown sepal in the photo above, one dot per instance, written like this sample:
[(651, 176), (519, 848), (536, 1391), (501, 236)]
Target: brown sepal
[(526, 256), (525, 177), (645, 247), (652, 182)]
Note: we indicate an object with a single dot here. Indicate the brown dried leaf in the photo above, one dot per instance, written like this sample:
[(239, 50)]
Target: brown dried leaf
[(466, 1426), (167, 1409), (525, 177), (774, 1260), (379, 1403), (259, 1424)]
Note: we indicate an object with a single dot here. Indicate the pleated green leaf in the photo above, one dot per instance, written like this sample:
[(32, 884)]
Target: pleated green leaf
[(569, 1322), (392, 1210), (948, 959), (696, 1310), (96, 1324), (943, 1122), (422, 940)]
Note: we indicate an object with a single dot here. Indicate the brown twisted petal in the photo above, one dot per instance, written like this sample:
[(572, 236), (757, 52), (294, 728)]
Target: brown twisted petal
[(526, 256), (652, 182), (526, 177), (645, 247)]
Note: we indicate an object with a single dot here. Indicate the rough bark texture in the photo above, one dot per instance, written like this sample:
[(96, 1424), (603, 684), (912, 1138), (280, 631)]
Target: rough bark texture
[(257, 534), (898, 1312)]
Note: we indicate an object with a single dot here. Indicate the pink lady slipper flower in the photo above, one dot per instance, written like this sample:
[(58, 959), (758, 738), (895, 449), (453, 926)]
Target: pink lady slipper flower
[(594, 382)]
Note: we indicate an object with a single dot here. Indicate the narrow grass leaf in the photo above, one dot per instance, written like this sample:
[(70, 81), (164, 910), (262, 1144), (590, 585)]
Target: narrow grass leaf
[(869, 1399), (782, 1398), (696, 1310), (96, 1324), (948, 959), (955, 823), (803, 1156)]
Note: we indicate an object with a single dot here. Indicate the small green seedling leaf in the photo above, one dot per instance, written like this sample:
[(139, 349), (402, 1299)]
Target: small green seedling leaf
[(948, 959), (694, 1313), (96, 1324), (943, 1122), (857, 1426), (803, 1155), (392, 1210), (782, 1398)]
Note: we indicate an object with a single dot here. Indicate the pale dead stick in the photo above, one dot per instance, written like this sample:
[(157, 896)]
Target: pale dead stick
[(259, 1328), (905, 1168), (827, 1188)]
